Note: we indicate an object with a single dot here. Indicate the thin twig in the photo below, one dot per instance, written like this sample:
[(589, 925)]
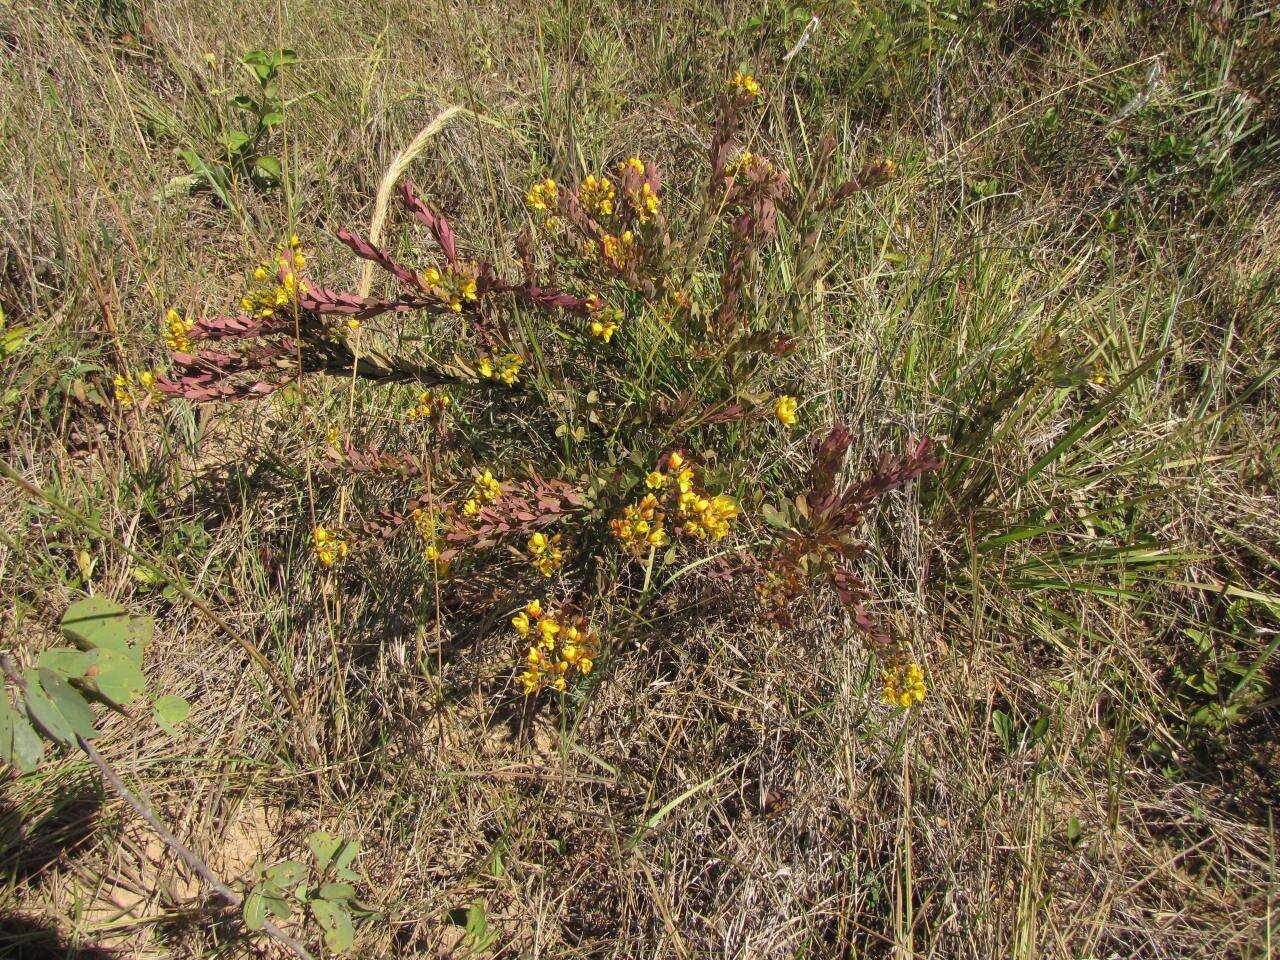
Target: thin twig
[(143, 811)]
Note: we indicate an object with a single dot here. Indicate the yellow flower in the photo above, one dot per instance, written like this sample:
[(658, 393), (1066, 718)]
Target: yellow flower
[(632, 163), (557, 646), (176, 329), (904, 685), (487, 488), (650, 202), (543, 196), (618, 250), (675, 461), (548, 556), (655, 480), (598, 195), (604, 331), (745, 84), (785, 411), (506, 368), (428, 403), (471, 509), (330, 545)]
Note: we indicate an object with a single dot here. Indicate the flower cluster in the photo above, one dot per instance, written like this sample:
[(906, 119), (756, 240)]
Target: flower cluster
[(644, 199), (429, 404), (785, 410), (543, 199), (427, 526), (618, 250), (557, 644), (745, 84), (548, 555), (129, 390), (455, 285), (904, 685), (706, 518), (597, 195), (745, 162), (274, 295), (604, 319), (177, 330), (505, 368), (486, 489), (641, 525), (331, 545)]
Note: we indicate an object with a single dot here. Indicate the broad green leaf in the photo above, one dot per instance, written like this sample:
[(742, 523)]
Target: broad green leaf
[(28, 748), (278, 905), (119, 677), (98, 622), (268, 168), (244, 102), (255, 910), (323, 846), (234, 142), (42, 710), (344, 856), (336, 921), (69, 702), (272, 118), (775, 517), (170, 711), (20, 746), (287, 874), (67, 661), (336, 891)]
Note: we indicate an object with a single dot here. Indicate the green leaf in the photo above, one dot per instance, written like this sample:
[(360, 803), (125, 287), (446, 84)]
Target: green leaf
[(272, 118), (67, 661), (69, 702), (234, 142), (20, 746), (119, 677), (1004, 728), (343, 858), (323, 846), (284, 56), (170, 711), (277, 904), (336, 921), (775, 517), (336, 891), (42, 710), (98, 622), (287, 874), (244, 102), (268, 168), (255, 910)]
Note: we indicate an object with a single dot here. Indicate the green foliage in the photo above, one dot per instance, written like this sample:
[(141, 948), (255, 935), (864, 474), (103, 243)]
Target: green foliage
[(244, 142), (104, 665), (323, 889), (1219, 680)]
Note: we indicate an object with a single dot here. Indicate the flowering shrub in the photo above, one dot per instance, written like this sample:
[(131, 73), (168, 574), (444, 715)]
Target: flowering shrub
[(615, 391)]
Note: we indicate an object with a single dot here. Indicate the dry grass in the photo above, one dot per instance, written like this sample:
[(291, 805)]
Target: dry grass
[(727, 790)]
